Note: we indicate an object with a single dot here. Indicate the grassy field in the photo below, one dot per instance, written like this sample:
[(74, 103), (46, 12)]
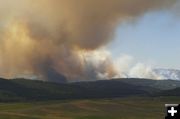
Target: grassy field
[(124, 108)]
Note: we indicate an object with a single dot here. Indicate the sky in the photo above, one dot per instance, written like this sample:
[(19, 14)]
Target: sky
[(152, 38)]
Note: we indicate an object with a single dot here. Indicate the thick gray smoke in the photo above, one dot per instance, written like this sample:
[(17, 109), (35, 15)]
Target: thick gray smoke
[(51, 38)]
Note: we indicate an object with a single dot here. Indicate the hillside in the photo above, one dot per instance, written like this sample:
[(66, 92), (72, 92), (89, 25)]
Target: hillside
[(159, 84), (29, 90), (173, 92), (33, 90)]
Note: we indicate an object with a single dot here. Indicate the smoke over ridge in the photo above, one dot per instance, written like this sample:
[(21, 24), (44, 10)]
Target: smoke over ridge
[(57, 38)]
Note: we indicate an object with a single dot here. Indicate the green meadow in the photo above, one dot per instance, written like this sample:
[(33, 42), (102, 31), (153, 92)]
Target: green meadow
[(123, 108)]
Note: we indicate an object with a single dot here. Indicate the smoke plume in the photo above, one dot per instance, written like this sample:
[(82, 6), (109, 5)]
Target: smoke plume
[(54, 39)]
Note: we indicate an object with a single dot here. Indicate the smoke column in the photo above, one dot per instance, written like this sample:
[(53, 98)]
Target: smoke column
[(56, 39)]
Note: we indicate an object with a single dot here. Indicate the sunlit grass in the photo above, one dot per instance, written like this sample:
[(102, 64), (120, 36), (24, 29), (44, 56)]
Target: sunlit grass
[(124, 108)]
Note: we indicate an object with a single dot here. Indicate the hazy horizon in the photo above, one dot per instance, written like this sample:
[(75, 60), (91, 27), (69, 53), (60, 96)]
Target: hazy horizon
[(153, 38)]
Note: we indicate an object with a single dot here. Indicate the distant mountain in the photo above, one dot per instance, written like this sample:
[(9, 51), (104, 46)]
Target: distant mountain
[(168, 73)]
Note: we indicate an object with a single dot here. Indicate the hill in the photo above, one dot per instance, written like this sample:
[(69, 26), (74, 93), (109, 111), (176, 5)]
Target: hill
[(30, 90), (173, 92), (158, 84), (34, 90)]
